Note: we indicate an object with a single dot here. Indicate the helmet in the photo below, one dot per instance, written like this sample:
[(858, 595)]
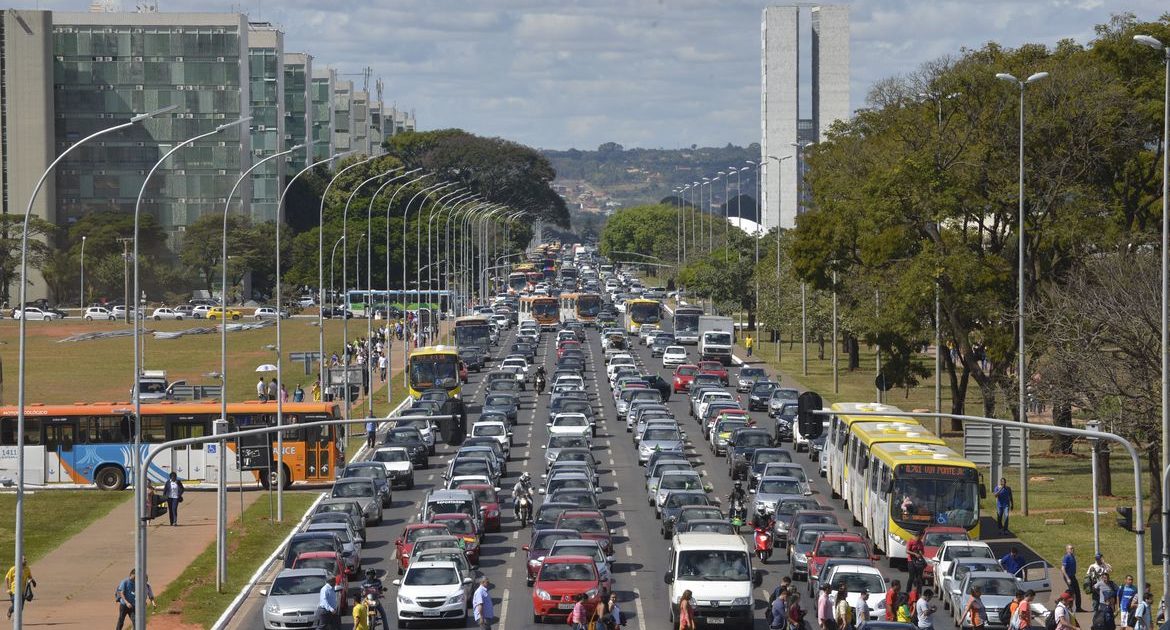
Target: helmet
[(370, 573), (525, 477), (739, 485)]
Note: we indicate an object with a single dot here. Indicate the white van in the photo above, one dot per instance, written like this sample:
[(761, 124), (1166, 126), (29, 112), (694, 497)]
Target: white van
[(717, 570)]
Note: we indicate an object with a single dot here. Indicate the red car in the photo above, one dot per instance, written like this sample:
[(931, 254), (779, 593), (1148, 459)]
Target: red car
[(934, 537), (538, 548), (332, 563), (566, 344), (591, 524), (404, 544), (463, 526), (716, 368), (683, 375), (560, 580), (489, 504), (837, 545)]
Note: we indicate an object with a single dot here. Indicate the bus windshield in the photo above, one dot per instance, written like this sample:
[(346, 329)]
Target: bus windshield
[(942, 495), (473, 334), (589, 305), (686, 322), (546, 308), (517, 281), (644, 312), (434, 370)]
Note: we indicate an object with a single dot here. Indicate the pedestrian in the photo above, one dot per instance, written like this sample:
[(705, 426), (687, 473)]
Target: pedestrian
[(26, 581), (747, 343), (273, 390), (361, 614), (925, 610), (316, 390), (1023, 619), (975, 613), (1068, 571), (299, 394), (371, 433), (777, 612), (382, 364), (1093, 575), (577, 618), (861, 611), (1062, 614), (1141, 615), (1003, 504), (283, 393), (261, 390), (125, 598), (686, 611), (892, 600), (795, 612), (915, 560), (1127, 600), (902, 609), (1012, 562), (842, 611), (619, 620), (327, 606), (1105, 595), (481, 603), (173, 491), (825, 614)]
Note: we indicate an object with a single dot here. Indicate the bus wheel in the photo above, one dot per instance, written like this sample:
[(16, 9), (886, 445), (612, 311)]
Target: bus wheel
[(110, 478), (270, 479)]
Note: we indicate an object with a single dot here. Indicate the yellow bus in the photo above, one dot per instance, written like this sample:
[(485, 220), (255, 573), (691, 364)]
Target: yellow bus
[(837, 439), (434, 367), (545, 310), (863, 436), (640, 311), (581, 307), (909, 487), (473, 330)]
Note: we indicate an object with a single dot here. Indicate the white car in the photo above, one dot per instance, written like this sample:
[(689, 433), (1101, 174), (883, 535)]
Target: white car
[(616, 362), (267, 312), (518, 363), (496, 430), (570, 380), (200, 311), (34, 314), (120, 312), (856, 577), (396, 461), (674, 356), (98, 312), (165, 313), (432, 591), (571, 424)]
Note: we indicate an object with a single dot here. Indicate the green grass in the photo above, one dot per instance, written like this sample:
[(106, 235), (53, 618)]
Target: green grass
[(52, 517), (192, 595)]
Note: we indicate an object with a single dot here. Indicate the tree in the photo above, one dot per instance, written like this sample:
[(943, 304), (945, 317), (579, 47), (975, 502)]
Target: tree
[(40, 235)]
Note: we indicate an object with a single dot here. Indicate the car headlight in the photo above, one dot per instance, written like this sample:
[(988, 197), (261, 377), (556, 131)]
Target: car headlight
[(741, 601), (898, 539), (273, 608), (455, 599), (402, 599), (591, 593), (541, 593), (800, 557)]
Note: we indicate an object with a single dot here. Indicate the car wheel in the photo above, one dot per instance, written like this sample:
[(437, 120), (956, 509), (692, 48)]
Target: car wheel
[(537, 618), (88, 318), (235, 317), (157, 318)]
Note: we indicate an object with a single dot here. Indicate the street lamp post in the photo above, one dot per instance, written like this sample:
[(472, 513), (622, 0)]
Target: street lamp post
[(1020, 360), (696, 201), (1156, 44), (332, 293), (18, 585), (779, 174), (81, 302), (405, 216)]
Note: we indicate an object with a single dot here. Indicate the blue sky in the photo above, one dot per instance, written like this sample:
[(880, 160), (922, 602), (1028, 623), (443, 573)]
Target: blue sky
[(650, 73)]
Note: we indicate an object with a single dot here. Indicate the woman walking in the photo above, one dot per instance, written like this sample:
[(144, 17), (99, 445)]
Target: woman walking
[(686, 611)]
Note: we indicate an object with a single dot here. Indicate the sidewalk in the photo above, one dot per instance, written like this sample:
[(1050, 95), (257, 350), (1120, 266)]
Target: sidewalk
[(76, 581)]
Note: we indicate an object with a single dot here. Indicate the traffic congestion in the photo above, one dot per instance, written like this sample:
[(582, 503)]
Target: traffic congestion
[(610, 461)]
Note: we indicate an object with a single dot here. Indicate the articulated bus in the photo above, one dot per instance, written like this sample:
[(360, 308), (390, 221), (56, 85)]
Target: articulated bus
[(837, 439), (433, 367), (581, 307), (641, 311), (863, 436), (686, 324), (909, 487), (93, 443), (546, 311), (473, 330)]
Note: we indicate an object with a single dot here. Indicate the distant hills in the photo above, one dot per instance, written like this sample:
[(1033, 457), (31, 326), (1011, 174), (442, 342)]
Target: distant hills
[(614, 177)]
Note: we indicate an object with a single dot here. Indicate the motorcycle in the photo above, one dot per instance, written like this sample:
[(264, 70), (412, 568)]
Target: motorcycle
[(524, 510), (763, 540), (376, 610), (737, 513), (540, 383)]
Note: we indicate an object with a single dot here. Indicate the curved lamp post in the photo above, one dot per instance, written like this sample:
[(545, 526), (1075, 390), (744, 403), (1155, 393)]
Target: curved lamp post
[(405, 216)]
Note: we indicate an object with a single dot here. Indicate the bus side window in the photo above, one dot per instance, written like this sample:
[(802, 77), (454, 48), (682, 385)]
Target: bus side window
[(154, 429), (7, 431), (885, 477), (32, 431)]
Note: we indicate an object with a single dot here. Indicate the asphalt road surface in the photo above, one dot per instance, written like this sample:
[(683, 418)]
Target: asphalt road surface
[(640, 550)]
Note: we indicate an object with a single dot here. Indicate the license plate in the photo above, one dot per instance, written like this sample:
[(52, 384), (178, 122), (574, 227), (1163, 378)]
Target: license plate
[(565, 606), (430, 613), (715, 621)]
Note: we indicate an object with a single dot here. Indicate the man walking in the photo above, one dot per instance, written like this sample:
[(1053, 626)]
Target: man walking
[(481, 603), (371, 433), (925, 609), (825, 612), (747, 343), (261, 391), (327, 604), (1068, 571), (1003, 504), (125, 595), (173, 491), (26, 580)]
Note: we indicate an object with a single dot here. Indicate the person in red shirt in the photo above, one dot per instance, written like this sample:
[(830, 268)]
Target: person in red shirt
[(915, 561), (892, 600)]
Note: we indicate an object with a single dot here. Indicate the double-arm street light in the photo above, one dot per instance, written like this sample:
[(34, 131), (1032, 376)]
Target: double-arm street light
[(406, 215), (19, 585), (1020, 362)]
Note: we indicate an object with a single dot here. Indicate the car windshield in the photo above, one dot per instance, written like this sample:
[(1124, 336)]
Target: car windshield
[(568, 572), (842, 549), (678, 499), (484, 495), (792, 507), (961, 570), (490, 430), (666, 467), (772, 457), (712, 513), (712, 527), (449, 507), (410, 436), (499, 401), (936, 539), (713, 566), (854, 582), (680, 482), (753, 439), (796, 472), (415, 534), (571, 421), (808, 536), (312, 544), (365, 471), (297, 585), (779, 486), (545, 540), (968, 551), (751, 372), (467, 467), (660, 434), (347, 508), (994, 586), (686, 370), (353, 489), (589, 551), (459, 525), (431, 576), (549, 515), (587, 524), (328, 564), (567, 441), (391, 456)]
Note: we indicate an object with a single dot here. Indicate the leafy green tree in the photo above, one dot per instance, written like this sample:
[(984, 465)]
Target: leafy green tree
[(40, 234)]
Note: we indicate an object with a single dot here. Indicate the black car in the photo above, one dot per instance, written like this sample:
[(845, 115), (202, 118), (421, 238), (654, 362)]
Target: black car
[(412, 441), (761, 393), (761, 457), (657, 382), (375, 471), (547, 514), (472, 357), (525, 349), (330, 312), (742, 444)]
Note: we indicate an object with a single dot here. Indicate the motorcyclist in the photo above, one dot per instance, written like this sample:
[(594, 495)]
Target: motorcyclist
[(738, 497), (373, 586), (539, 379), (523, 488)]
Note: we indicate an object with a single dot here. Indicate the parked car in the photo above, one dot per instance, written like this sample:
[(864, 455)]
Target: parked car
[(268, 312), (217, 312), (165, 313), (34, 314), (98, 312)]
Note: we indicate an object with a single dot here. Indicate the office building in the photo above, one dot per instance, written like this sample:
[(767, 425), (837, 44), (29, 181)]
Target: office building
[(361, 122), (266, 79), (782, 80), (343, 116), (298, 122), (321, 112)]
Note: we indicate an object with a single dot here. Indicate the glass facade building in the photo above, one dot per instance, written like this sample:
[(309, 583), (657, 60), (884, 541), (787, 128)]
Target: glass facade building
[(343, 116), (298, 71), (321, 112), (266, 79)]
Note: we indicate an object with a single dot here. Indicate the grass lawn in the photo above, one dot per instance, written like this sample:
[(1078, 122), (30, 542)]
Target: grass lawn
[(192, 595), (52, 517)]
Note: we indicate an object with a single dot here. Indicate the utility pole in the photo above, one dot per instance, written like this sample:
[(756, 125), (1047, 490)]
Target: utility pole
[(126, 242)]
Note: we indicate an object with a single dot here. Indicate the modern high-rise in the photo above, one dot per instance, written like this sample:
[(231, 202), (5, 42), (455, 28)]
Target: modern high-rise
[(783, 129), (321, 112), (298, 122), (343, 116), (266, 77), (361, 122)]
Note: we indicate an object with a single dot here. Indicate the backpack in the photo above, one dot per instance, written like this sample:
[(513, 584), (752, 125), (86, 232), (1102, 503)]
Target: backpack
[(1050, 622), (1006, 616)]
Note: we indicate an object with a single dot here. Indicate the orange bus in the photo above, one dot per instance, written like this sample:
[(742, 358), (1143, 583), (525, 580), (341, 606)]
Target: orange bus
[(545, 310)]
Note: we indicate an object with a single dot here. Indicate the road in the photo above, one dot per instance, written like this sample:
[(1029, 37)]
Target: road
[(640, 550)]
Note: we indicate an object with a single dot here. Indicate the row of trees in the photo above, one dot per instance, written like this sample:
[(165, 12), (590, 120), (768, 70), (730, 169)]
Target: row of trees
[(497, 170)]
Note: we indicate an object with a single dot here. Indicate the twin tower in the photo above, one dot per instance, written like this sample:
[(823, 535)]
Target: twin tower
[(784, 131)]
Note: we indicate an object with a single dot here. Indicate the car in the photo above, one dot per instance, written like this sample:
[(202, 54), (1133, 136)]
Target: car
[(785, 417), (166, 313), (539, 545), (760, 393), (779, 397), (365, 491), (677, 499), (771, 489), (748, 376), (497, 431), (761, 457), (507, 404), (98, 312), (292, 598), (856, 577), (998, 590), (375, 471), (34, 314), (792, 512), (331, 312), (351, 508), (788, 469), (545, 516), (849, 545), (558, 581), (952, 550), (351, 543), (443, 501), (199, 311), (591, 549), (801, 542), (687, 514), (671, 480), (571, 424), (489, 503), (410, 439), (465, 527), (656, 438), (673, 356), (683, 375), (590, 524), (433, 591), (740, 448), (656, 471), (933, 537), (119, 312), (957, 572), (334, 568), (268, 312), (658, 383), (473, 357), (716, 368), (426, 428), (217, 312), (557, 442), (302, 542), (411, 533), (396, 461)]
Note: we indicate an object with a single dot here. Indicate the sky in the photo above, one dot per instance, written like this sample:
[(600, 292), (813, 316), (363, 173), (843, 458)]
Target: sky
[(561, 74)]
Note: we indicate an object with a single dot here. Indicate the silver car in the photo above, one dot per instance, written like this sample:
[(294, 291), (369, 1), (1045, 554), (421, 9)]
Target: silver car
[(772, 489), (363, 490), (291, 601), (659, 438), (748, 377)]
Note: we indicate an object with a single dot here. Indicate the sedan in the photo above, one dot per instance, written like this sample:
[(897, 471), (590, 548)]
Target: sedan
[(292, 598), (412, 441), (539, 546), (560, 580), (674, 356), (411, 533), (365, 492), (571, 424), (748, 377), (31, 313), (396, 461), (503, 403), (375, 471), (98, 312), (433, 590)]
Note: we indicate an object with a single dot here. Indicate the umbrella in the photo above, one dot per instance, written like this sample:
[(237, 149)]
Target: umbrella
[(266, 367)]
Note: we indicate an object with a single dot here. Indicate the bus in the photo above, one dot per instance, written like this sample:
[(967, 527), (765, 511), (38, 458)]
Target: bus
[(434, 367), (863, 436), (93, 443), (641, 311), (909, 487), (581, 307), (837, 438), (543, 309), (517, 282), (473, 330), (686, 324)]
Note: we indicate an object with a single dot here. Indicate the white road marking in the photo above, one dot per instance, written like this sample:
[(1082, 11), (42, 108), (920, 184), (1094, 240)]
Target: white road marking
[(629, 552), (637, 607), (508, 573), (619, 500), (515, 534), (504, 610)]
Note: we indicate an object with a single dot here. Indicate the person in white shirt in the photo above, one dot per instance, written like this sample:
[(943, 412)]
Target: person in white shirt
[(925, 609)]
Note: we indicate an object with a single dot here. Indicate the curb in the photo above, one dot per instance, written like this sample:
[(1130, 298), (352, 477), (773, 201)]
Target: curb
[(234, 606)]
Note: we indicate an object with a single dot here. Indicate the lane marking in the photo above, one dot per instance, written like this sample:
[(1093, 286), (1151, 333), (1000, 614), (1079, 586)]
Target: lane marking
[(637, 607), (508, 574), (504, 610), (629, 551)]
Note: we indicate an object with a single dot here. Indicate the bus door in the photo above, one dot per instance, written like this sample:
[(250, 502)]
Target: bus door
[(60, 460), (189, 462), (319, 461)]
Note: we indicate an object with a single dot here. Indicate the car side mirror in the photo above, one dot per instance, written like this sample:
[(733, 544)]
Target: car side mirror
[(467, 580), (667, 577), (264, 592), (397, 582)]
